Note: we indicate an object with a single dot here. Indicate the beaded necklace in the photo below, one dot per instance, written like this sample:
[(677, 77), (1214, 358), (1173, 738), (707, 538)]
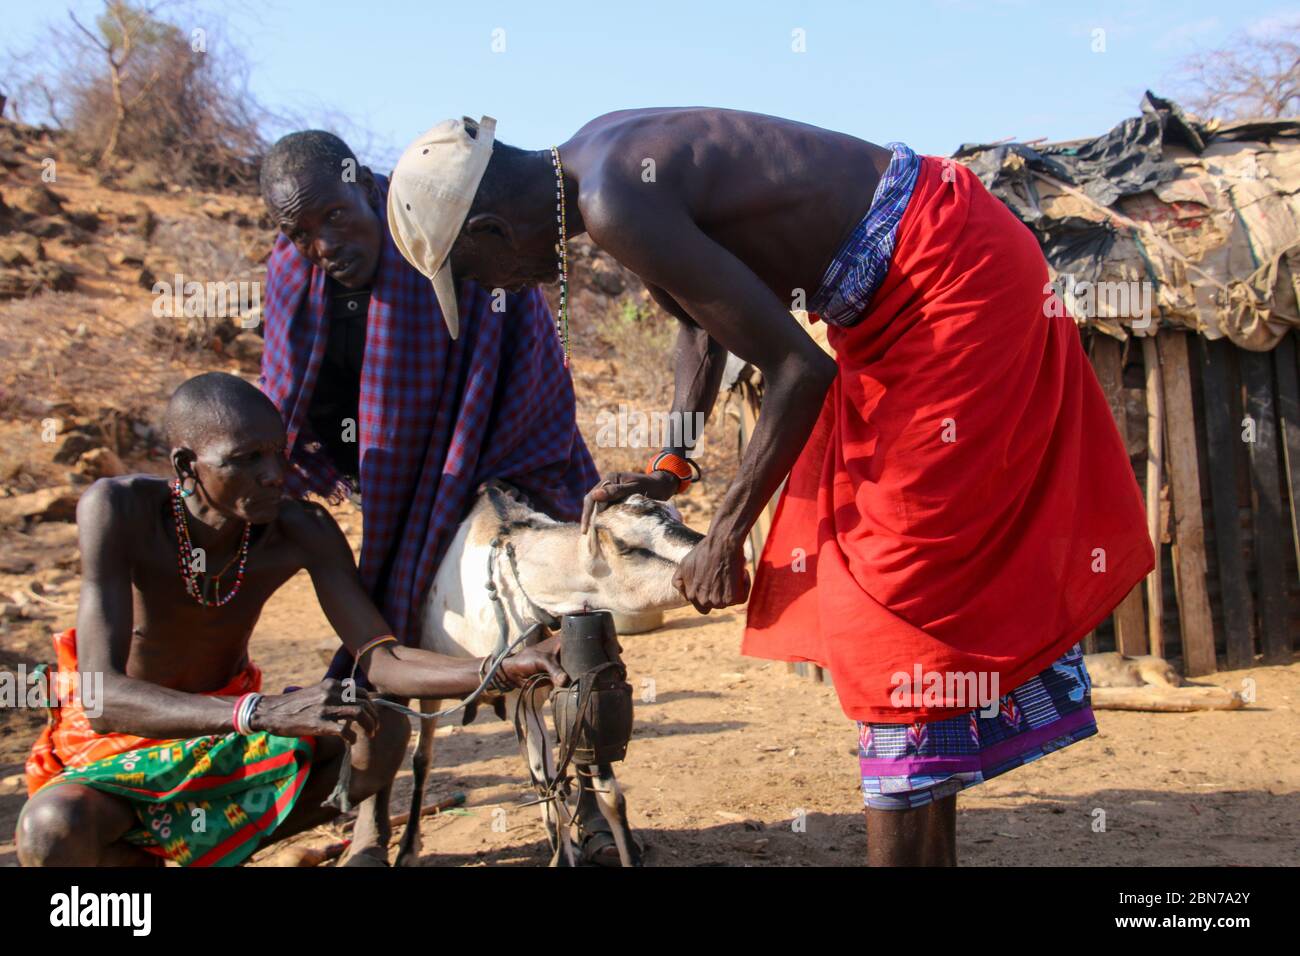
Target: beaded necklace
[(562, 249), (185, 556)]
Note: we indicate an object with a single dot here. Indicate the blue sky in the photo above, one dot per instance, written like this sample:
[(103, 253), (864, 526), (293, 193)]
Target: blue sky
[(933, 73)]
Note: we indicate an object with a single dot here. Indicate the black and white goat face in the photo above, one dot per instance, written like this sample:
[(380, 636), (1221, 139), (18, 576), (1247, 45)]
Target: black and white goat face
[(631, 554)]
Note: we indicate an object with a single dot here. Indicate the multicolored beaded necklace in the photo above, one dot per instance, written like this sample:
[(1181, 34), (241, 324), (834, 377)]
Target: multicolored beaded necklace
[(562, 249), (185, 558)]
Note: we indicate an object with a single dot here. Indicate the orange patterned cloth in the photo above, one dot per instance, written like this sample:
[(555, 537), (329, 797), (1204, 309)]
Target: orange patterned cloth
[(68, 739)]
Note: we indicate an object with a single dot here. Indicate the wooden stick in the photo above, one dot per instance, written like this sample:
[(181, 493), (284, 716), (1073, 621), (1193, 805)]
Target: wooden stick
[(1155, 468), (455, 800), (1196, 622), (309, 855), (1165, 699), (1270, 551), (1223, 450), (1108, 360), (1288, 418)]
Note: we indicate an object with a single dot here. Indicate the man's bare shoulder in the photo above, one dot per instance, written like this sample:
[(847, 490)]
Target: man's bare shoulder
[(123, 501), (310, 526)]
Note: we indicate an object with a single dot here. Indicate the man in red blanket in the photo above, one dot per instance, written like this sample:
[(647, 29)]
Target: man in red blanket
[(959, 509)]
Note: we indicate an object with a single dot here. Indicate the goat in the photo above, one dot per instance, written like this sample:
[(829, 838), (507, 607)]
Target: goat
[(625, 565)]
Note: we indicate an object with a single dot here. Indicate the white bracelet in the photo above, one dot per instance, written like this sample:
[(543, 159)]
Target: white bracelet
[(244, 714)]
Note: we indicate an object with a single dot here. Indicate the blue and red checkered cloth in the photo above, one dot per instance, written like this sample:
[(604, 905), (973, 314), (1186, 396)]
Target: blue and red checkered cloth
[(437, 417)]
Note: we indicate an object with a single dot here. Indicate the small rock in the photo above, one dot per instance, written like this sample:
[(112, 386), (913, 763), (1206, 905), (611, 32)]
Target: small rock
[(223, 211), (49, 504), (40, 200), (84, 219), (93, 258), (49, 227), (606, 277), (15, 284), (130, 255), (21, 250), (141, 178), (101, 463), (73, 447), (144, 221), (55, 276), (246, 347)]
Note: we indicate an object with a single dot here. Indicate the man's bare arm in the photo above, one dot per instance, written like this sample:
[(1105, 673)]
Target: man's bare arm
[(741, 315), (699, 362), (401, 671)]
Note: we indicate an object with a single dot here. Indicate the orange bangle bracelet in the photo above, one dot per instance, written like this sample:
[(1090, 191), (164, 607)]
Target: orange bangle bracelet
[(686, 472)]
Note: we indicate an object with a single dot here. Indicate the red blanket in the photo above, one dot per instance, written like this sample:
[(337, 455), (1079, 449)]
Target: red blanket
[(965, 503), (67, 740)]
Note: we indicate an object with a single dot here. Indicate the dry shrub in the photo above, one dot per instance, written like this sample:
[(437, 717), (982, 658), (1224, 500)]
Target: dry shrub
[(132, 86)]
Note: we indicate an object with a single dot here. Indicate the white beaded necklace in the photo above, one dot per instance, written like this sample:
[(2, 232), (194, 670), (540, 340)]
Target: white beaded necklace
[(562, 250)]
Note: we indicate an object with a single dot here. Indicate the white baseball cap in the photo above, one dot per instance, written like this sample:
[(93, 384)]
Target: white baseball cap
[(429, 196)]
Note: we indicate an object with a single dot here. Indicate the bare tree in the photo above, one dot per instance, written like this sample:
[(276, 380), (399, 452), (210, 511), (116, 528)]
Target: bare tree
[(136, 86), (119, 32), (1250, 77)]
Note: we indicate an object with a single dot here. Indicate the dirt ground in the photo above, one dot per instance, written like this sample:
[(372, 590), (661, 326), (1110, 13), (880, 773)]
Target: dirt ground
[(728, 750)]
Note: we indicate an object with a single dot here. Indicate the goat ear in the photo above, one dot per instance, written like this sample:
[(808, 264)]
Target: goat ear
[(593, 541)]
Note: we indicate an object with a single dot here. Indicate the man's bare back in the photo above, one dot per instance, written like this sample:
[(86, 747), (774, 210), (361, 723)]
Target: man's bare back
[(779, 195)]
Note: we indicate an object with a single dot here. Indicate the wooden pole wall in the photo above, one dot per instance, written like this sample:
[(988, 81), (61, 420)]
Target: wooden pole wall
[(1108, 361), (1288, 416), (1266, 506), (1223, 448), (1155, 474), (1196, 622)]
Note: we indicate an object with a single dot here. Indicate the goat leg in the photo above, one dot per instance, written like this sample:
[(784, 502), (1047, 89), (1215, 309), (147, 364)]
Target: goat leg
[(540, 749), (408, 853), (371, 830), (613, 807)]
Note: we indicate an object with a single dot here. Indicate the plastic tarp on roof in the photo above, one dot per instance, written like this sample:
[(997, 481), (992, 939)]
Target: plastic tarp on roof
[(1164, 220)]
